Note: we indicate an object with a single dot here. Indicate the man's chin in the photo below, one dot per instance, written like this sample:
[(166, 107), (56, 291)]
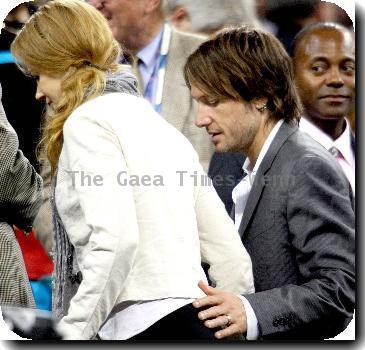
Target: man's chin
[(222, 148), (334, 112), (331, 116)]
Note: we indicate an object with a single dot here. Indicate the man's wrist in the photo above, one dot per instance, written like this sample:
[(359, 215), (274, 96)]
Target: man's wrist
[(252, 329)]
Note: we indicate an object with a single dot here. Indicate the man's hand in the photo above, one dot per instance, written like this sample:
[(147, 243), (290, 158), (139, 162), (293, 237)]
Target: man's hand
[(226, 311)]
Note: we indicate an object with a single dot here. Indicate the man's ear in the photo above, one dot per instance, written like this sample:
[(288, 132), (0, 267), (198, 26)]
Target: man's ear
[(179, 16), (260, 103)]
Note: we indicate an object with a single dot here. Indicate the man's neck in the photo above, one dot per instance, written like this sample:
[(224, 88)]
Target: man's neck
[(146, 37), (332, 127), (259, 141)]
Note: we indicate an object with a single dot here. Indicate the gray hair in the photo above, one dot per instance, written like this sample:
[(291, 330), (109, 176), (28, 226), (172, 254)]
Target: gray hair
[(212, 15)]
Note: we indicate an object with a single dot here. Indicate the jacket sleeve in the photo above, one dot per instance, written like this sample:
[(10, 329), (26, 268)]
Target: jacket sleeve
[(21, 186), (320, 221), (109, 212), (220, 244)]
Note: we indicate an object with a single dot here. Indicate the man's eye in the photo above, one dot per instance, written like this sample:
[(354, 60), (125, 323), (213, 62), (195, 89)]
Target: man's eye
[(318, 69), (212, 102), (348, 68)]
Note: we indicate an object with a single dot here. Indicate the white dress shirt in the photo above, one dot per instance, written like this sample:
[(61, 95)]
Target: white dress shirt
[(149, 57), (240, 195), (345, 156)]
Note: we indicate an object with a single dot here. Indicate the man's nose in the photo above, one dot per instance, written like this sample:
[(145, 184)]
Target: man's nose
[(335, 77), (202, 117)]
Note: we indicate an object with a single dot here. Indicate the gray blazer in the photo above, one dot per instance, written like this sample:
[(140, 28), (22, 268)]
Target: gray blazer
[(298, 227), (20, 198)]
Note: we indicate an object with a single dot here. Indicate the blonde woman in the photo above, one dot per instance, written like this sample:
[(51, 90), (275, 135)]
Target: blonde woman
[(132, 218)]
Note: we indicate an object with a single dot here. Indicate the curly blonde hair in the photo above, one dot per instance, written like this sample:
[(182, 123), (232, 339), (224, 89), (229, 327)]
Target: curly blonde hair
[(72, 40)]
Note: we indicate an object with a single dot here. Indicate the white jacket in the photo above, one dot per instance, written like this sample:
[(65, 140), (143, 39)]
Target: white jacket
[(146, 240)]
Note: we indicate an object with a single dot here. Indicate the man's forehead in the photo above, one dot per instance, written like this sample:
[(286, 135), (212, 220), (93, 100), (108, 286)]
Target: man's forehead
[(196, 91), (326, 40)]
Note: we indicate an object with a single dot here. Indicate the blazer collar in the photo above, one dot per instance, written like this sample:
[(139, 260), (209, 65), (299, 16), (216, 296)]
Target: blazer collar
[(258, 185)]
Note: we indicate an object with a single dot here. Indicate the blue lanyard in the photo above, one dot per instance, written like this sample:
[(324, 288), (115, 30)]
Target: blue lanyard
[(6, 57), (159, 72)]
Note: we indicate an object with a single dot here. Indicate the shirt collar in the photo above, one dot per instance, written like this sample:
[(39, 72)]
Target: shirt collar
[(150, 53), (342, 143), (247, 164)]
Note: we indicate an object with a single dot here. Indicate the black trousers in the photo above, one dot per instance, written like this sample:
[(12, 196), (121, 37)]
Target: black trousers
[(181, 325)]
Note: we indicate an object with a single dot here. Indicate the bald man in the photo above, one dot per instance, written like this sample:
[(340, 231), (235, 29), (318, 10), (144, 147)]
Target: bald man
[(324, 63)]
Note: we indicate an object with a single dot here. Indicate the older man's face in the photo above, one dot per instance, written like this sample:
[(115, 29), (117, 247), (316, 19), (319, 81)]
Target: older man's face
[(125, 19)]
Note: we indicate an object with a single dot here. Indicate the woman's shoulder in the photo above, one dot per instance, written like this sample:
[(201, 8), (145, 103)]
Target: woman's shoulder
[(108, 103), (105, 109)]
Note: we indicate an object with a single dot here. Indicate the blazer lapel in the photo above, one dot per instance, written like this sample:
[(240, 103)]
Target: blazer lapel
[(252, 201), (259, 183)]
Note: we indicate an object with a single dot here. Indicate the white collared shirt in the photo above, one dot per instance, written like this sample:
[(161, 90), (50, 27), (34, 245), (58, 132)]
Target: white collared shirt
[(240, 195), (241, 192), (150, 55), (342, 144)]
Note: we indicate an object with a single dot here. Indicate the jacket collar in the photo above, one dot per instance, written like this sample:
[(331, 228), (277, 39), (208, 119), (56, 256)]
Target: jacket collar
[(285, 131)]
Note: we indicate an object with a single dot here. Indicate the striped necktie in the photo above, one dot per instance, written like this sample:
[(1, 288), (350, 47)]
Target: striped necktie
[(136, 61)]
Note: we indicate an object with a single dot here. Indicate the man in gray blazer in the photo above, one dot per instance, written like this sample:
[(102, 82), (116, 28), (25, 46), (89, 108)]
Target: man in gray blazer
[(294, 208), (159, 53), (20, 198)]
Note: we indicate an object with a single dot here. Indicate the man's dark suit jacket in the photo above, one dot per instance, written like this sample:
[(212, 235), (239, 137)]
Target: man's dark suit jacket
[(298, 227), (228, 166), (225, 170)]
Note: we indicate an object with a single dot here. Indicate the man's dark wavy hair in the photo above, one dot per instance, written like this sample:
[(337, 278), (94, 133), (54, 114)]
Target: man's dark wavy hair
[(243, 64)]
